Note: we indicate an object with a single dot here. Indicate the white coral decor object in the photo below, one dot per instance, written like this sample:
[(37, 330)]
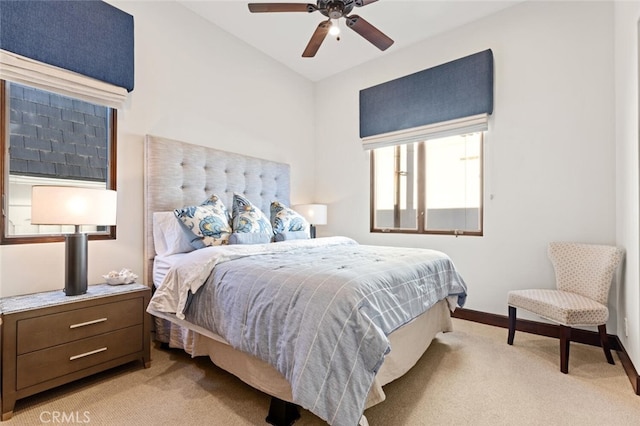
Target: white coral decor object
[(125, 276)]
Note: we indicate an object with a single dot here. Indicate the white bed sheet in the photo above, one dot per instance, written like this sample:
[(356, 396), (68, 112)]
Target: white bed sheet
[(162, 265)]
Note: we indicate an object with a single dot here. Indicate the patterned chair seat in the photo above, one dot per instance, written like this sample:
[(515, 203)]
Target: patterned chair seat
[(560, 306)]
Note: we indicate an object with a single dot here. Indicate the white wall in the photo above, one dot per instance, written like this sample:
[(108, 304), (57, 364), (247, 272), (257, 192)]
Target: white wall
[(194, 82), (627, 46), (550, 150)]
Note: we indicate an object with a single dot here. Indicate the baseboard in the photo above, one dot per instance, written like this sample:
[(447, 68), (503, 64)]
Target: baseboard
[(550, 330), (628, 367)]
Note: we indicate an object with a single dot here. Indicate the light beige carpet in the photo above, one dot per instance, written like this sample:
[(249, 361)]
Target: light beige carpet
[(467, 377)]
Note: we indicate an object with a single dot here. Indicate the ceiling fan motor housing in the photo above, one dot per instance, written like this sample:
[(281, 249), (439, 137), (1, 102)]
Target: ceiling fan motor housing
[(335, 9)]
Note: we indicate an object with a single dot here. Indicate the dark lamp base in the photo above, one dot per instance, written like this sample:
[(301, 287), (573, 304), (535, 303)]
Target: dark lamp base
[(76, 264)]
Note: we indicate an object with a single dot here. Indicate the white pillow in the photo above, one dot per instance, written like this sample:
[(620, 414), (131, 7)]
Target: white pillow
[(168, 235)]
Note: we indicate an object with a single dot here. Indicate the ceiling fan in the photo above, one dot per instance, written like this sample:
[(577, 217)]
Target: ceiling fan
[(333, 10)]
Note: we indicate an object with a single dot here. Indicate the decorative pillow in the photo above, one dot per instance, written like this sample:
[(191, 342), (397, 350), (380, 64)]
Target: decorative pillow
[(249, 238), (168, 236), (291, 235), (283, 219), (248, 218), (206, 224)]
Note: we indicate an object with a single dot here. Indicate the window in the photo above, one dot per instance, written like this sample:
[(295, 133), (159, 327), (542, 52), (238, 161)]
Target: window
[(51, 139), (432, 187)]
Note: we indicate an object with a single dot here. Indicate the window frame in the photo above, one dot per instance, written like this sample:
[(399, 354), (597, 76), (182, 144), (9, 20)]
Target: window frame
[(111, 183), (421, 198)]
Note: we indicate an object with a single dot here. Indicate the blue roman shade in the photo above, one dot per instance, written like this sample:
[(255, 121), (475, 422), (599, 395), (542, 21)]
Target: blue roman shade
[(447, 99), (88, 37)]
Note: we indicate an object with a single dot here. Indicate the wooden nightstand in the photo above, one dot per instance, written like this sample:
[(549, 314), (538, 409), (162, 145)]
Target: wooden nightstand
[(49, 339)]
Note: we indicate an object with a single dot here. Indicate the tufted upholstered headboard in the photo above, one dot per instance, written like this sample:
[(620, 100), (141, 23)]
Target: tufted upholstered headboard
[(178, 174)]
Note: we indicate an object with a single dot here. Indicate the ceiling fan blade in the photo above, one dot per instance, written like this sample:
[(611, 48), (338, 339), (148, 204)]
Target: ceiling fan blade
[(281, 7), (360, 3), (316, 39), (369, 32)]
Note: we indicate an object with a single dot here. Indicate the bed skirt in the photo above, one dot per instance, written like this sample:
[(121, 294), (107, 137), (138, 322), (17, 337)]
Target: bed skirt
[(408, 343)]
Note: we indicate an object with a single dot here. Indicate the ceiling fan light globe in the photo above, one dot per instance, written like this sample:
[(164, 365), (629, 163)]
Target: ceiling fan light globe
[(335, 29)]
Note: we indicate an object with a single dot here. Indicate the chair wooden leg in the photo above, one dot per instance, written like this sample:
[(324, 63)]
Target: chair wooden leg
[(512, 324), (565, 338), (604, 341)]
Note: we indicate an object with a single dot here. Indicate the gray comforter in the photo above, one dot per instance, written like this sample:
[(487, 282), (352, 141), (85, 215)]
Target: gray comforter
[(318, 310)]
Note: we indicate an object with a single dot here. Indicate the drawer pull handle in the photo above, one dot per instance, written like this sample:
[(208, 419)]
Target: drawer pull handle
[(82, 324), (71, 358)]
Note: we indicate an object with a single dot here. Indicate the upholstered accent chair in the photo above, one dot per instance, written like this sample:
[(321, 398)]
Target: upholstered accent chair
[(583, 275)]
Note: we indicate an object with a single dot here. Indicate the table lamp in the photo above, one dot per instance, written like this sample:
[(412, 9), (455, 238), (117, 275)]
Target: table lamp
[(315, 214), (68, 205)]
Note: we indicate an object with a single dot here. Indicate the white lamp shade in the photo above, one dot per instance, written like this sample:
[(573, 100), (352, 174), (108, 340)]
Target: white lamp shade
[(69, 205), (316, 214)]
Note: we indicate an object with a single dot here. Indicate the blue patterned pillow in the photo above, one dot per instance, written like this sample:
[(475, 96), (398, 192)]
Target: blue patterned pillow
[(248, 218), (283, 219), (206, 224)]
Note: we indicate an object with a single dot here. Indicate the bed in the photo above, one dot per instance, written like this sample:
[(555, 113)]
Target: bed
[(207, 301)]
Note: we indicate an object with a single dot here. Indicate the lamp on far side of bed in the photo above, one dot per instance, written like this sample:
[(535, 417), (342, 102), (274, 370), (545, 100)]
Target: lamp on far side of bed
[(68, 205), (316, 214)]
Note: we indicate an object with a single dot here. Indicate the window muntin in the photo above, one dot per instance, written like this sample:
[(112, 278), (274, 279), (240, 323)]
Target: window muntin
[(51, 139), (428, 187)]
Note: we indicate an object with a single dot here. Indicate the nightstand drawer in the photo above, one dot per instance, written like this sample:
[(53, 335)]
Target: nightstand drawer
[(55, 329), (40, 366)]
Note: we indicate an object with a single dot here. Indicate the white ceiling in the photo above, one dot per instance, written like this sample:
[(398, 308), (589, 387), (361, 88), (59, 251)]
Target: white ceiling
[(283, 36)]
